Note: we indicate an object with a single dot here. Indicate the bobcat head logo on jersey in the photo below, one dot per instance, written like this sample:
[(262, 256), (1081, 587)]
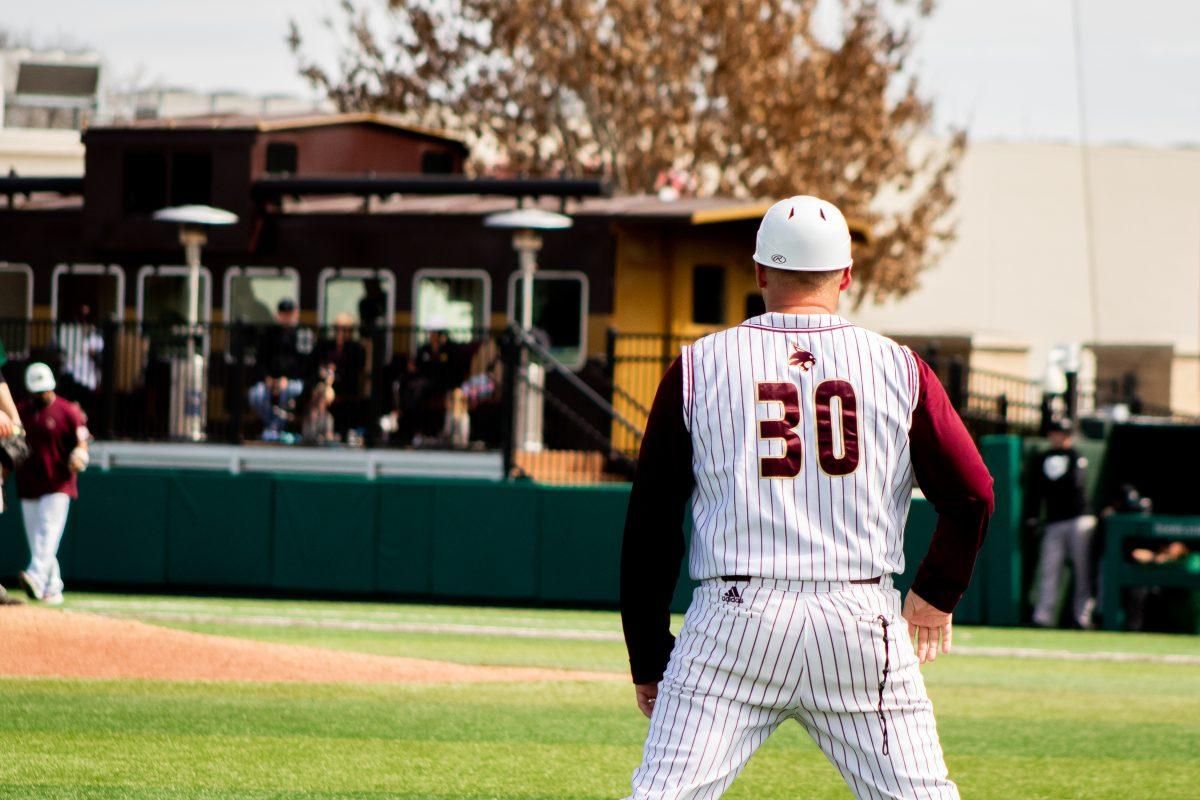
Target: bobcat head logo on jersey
[(803, 359)]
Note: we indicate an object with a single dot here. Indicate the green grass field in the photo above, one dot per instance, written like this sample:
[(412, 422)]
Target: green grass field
[(1043, 726)]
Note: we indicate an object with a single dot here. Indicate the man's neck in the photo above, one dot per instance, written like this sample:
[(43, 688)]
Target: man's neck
[(810, 307)]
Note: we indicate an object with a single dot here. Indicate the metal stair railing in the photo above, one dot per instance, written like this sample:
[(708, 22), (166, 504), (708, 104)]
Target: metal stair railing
[(601, 440)]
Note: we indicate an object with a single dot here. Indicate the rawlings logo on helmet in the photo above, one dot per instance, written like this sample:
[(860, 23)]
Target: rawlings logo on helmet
[(779, 259), (803, 359)]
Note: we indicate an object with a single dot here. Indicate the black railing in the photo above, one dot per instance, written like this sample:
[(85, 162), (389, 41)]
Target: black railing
[(166, 381), (635, 363), (564, 428), (391, 387), (989, 402), (405, 387)]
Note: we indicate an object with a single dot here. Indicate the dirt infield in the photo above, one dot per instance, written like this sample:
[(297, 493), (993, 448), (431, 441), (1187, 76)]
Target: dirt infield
[(50, 643)]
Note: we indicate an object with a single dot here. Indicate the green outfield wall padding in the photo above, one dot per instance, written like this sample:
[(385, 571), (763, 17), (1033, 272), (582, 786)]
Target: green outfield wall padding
[(404, 558), (1001, 557), (324, 534), (453, 539), (918, 533), (487, 540), (219, 530), (581, 553), (117, 529)]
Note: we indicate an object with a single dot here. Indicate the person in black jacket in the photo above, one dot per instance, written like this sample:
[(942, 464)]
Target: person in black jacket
[(1058, 480)]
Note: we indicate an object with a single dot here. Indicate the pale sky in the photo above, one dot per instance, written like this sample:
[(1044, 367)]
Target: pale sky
[(1003, 68)]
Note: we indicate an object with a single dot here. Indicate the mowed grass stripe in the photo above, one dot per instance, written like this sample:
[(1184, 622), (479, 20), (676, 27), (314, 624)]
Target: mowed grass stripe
[(553, 623), (193, 619), (364, 625), (352, 611), (132, 739)]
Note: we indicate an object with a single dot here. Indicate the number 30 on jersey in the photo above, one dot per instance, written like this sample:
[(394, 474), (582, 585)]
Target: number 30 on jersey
[(837, 451)]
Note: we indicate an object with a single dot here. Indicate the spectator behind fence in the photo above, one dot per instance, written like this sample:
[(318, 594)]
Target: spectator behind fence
[(342, 360), (433, 377), (456, 430), (1058, 478), (372, 308), (482, 392), (283, 363), (317, 426), (80, 346)]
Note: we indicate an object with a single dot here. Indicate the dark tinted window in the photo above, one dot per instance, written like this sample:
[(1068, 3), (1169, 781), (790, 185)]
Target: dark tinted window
[(558, 313), (191, 179), (97, 292), (708, 295), (282, 157), (145, 182), (437, 162)]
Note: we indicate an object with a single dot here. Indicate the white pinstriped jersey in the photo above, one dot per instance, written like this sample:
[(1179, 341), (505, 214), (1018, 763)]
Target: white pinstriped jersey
[(800, 434)]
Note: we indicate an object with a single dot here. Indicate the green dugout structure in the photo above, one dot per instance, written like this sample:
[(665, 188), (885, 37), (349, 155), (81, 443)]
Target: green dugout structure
[(438, 538)]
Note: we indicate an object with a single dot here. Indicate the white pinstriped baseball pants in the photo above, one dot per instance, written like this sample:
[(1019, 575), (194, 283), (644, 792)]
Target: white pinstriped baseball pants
[(813, 651)]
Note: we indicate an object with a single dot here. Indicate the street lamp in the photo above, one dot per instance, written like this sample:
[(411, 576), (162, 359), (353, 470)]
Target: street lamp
[(526, 225), (193, 220)]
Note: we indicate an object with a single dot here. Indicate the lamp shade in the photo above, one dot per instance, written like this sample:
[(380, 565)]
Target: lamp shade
[(195, 215), (530, 219)]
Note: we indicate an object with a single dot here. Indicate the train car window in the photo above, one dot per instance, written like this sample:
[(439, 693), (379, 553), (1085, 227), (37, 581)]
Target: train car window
[(560, 304), (252, 294), (454, 300), (163, 295), (282, 158), (144, 182), (708, 295), (437, 162), (191, 178), (95, 291), (16, 291), (16, 308), (367, 295)]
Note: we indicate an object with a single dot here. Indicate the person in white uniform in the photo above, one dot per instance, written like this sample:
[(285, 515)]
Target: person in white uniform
[(794, 438)]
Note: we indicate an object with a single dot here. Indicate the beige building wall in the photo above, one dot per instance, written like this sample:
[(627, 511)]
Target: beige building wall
[(34, 151), (1185, 383), (1019, 269)]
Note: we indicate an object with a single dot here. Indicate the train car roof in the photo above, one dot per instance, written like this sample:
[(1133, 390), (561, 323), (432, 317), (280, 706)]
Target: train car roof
[(629, 208), (270, 123)]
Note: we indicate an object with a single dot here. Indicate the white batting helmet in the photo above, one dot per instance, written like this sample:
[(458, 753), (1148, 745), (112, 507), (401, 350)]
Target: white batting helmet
[(39, 378), (804, 233)]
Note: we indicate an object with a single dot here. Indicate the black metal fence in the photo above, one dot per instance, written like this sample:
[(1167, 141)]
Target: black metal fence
[(235, 383), (341, 386), (565, 428), (351, 386), (989, 402)]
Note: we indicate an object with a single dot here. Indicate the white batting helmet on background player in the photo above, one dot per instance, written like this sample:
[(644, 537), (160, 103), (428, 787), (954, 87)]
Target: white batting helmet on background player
[(39, 378), (804, 233)]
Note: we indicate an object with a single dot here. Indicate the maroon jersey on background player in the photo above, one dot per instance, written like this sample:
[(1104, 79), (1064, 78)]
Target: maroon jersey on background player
[(53, 431)]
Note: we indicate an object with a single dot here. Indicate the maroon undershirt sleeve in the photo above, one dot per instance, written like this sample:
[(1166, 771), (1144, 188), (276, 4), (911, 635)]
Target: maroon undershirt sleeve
[(653, 543), (952, 475)]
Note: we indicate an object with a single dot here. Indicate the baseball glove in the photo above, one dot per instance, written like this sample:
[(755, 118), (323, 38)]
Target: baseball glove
[(14, 450)]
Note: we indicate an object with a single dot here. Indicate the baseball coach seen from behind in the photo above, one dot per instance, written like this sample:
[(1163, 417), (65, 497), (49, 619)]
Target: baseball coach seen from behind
[(795, 438)]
